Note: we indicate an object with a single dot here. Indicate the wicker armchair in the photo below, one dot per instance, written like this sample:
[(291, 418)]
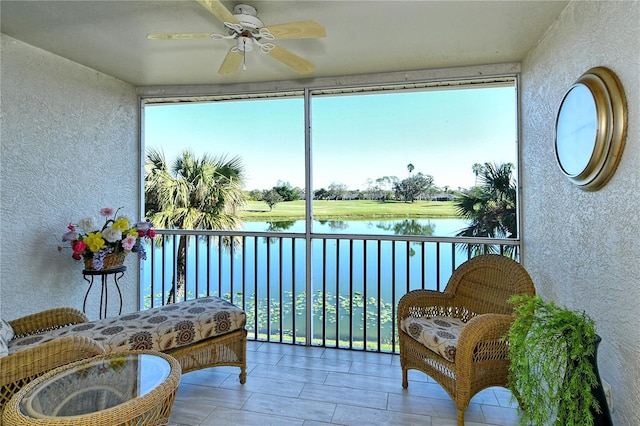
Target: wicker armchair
[(477, 295), (16, 370)]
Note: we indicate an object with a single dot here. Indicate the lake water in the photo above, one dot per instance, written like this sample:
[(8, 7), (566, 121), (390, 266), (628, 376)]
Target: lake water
[(424, 227), (212, 270), (273, 270)]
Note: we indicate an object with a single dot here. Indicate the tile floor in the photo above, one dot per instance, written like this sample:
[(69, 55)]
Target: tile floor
[(296, 385)]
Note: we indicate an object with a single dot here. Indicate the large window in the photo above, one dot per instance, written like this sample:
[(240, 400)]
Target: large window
[(364, 186), (384, 159)]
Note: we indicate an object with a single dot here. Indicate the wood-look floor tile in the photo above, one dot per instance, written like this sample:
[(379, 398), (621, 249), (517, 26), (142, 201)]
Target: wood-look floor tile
[(410, 404), (361, 381), (210, 376), (269, 386), (213, 396), (358, 416), (504, 416), (359, 356), (377, 370), (295, 374), (188, 413), (315, 363), (229, 416), (360, 398), (290, 407), (288, 349)]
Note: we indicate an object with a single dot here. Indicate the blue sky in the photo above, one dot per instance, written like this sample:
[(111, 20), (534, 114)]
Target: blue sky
[(355, 138)]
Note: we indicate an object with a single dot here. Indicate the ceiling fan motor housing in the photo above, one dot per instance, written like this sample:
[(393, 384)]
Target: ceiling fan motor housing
[(248, 17), (244, 9)]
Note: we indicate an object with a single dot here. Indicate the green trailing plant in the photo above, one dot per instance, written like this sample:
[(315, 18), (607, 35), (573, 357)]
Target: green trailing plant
[(551, 350)]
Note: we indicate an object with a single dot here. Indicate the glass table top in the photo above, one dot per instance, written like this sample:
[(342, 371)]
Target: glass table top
[(95, 385)]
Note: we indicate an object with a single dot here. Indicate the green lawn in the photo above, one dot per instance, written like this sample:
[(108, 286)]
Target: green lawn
[(256, 211)]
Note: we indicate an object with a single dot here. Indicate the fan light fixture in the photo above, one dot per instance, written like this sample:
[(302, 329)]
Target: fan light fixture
[(244, 26), (244, 44)]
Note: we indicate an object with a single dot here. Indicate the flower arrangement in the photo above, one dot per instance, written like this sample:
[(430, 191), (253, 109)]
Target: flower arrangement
[(116, 237)]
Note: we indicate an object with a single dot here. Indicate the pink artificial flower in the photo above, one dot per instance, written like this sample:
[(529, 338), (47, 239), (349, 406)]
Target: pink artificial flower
[(70, 236), (128, 242), (76, 256), (78, 247), (151, 233), (107, 211), (143, 226), (70, 227)]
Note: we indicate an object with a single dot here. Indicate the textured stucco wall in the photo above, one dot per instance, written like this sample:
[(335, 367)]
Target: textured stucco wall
[(69, 146), (582, 248)]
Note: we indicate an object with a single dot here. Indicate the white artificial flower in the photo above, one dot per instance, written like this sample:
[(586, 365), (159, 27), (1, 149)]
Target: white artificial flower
[(111, 235), (88, 224)]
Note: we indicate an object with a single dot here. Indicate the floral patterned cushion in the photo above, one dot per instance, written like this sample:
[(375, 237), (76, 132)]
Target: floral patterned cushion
[(4, 347), (440, 334), (160, 329), (6, 334)]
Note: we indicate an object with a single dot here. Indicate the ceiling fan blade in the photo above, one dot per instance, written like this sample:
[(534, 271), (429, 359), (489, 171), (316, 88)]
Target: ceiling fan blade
[(302, 29), (219, 11), (177, 36), (231, 62), (291, 60)]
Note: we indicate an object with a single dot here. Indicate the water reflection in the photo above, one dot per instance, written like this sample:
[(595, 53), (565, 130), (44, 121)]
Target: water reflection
[(408, 227), (420, 227), (335, 225), (280, 226)]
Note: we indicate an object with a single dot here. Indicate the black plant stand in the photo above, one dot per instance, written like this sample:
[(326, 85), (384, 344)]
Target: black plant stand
[(90, 274), (603, 418)]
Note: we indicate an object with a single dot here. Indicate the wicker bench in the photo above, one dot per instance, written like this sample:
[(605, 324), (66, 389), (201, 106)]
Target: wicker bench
[(198, 333)]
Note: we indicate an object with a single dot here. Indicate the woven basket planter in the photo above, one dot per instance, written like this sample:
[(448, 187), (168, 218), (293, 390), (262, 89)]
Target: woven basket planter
[(111, 261)]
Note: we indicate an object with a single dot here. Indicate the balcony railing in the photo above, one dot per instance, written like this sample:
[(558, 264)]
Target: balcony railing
[(313, 289)]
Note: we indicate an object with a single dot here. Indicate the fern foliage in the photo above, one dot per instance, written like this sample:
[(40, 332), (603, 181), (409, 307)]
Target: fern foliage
[(551, 350)]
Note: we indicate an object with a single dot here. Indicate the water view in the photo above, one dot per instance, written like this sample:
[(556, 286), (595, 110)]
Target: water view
[(355, 281), (423, 227)]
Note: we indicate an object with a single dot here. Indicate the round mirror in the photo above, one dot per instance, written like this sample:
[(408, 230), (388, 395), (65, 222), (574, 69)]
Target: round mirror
[(591, 128), (576, 130)]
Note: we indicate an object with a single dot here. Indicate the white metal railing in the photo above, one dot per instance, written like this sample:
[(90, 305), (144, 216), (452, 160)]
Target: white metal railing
[(345, 295)]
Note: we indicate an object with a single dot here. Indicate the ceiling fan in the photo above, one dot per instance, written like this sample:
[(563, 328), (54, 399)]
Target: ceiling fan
[(249, 33)]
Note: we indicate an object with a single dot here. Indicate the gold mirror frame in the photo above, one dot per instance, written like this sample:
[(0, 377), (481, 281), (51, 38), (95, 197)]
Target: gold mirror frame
[(591, 128)]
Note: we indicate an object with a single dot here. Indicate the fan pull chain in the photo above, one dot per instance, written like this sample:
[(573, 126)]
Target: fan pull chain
[(244, 55)]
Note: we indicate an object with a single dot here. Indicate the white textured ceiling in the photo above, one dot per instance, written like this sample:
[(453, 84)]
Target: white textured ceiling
[(363, 37)]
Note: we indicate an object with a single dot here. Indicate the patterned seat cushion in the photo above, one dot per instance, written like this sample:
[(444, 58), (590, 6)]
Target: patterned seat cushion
[(6, 334), (160, 329), (440, 334)]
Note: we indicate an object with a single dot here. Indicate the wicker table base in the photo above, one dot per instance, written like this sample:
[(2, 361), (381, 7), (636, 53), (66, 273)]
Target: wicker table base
[(133, 388)]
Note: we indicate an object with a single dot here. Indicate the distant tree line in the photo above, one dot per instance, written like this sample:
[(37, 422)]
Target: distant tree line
[(417, 186), (283, 191)]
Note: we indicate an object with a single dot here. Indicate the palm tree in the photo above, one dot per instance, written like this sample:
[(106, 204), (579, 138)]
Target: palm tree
[(477, 169), (195, 193), (410, 167), (491, 207)]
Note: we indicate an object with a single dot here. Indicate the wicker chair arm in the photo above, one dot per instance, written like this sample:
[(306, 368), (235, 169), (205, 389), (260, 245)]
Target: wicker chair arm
[(482, 338), (47, 320), (418, 303), (21, 367)]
